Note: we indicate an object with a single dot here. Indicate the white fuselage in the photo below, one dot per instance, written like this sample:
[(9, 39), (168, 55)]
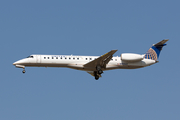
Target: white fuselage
[(78, 62)]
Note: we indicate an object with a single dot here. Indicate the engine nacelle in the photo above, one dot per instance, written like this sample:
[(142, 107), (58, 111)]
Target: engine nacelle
[(131, 57)]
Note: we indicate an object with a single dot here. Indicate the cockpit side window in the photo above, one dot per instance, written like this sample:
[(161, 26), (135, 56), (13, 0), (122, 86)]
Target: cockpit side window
[(30, 56)]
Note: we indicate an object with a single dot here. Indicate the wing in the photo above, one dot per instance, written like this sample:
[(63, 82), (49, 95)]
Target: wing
[(101, 61)]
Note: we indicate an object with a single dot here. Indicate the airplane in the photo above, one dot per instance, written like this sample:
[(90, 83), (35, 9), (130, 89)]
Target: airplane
[(95, 65)]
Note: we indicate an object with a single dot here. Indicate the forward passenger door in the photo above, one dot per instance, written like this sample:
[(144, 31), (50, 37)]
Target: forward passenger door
[(38, 59)]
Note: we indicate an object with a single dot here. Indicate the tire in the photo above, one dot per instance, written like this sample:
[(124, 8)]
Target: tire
[(96, 77), (23, 71), (100, 72)]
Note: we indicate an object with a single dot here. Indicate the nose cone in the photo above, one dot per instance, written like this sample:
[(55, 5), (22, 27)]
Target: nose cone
[(14, 63), (21, 62)]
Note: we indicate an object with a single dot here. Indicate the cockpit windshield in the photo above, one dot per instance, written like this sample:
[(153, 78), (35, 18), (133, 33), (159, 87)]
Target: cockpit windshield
[(30, 56)]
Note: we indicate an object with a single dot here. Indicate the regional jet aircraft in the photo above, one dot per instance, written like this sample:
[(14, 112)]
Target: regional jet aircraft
[(95, 65)]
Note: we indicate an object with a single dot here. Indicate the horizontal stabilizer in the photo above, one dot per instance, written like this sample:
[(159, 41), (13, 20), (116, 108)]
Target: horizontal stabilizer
[(162, 43)]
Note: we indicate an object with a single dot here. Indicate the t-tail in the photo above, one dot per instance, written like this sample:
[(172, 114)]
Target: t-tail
[(154, 52)]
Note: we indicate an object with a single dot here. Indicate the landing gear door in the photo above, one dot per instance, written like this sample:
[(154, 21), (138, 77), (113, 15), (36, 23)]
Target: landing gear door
[(38, 59)]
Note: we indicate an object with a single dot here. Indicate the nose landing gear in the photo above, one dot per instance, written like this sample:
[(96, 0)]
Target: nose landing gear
[(23, 71)]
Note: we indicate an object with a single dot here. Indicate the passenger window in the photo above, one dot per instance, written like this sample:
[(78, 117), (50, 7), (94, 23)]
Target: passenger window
[(52, 58), (90, 58), (77, 58), (56, 57), (48, 57), (69, 58), (44, 57), (86, 58), (65, 57), (73, 58)]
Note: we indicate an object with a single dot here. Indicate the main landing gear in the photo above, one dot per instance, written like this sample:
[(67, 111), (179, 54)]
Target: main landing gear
[(96, 77), (98, 68), (98, 73)]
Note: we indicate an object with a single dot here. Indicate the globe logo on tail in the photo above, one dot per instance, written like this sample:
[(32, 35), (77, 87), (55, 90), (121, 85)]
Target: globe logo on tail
[(151, 54)]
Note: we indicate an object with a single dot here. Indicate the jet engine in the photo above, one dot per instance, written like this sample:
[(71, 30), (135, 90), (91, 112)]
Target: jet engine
[(131, 57)]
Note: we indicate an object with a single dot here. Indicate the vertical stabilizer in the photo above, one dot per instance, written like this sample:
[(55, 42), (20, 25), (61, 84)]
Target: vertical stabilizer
[(154, 52)]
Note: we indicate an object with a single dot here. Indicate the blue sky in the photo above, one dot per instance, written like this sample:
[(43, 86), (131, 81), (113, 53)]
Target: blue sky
[(89, 28)]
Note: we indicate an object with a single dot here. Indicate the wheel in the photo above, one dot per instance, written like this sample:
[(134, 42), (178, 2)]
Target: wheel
[(23, 71), (98, 68), (96, 77), (100, 72)]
